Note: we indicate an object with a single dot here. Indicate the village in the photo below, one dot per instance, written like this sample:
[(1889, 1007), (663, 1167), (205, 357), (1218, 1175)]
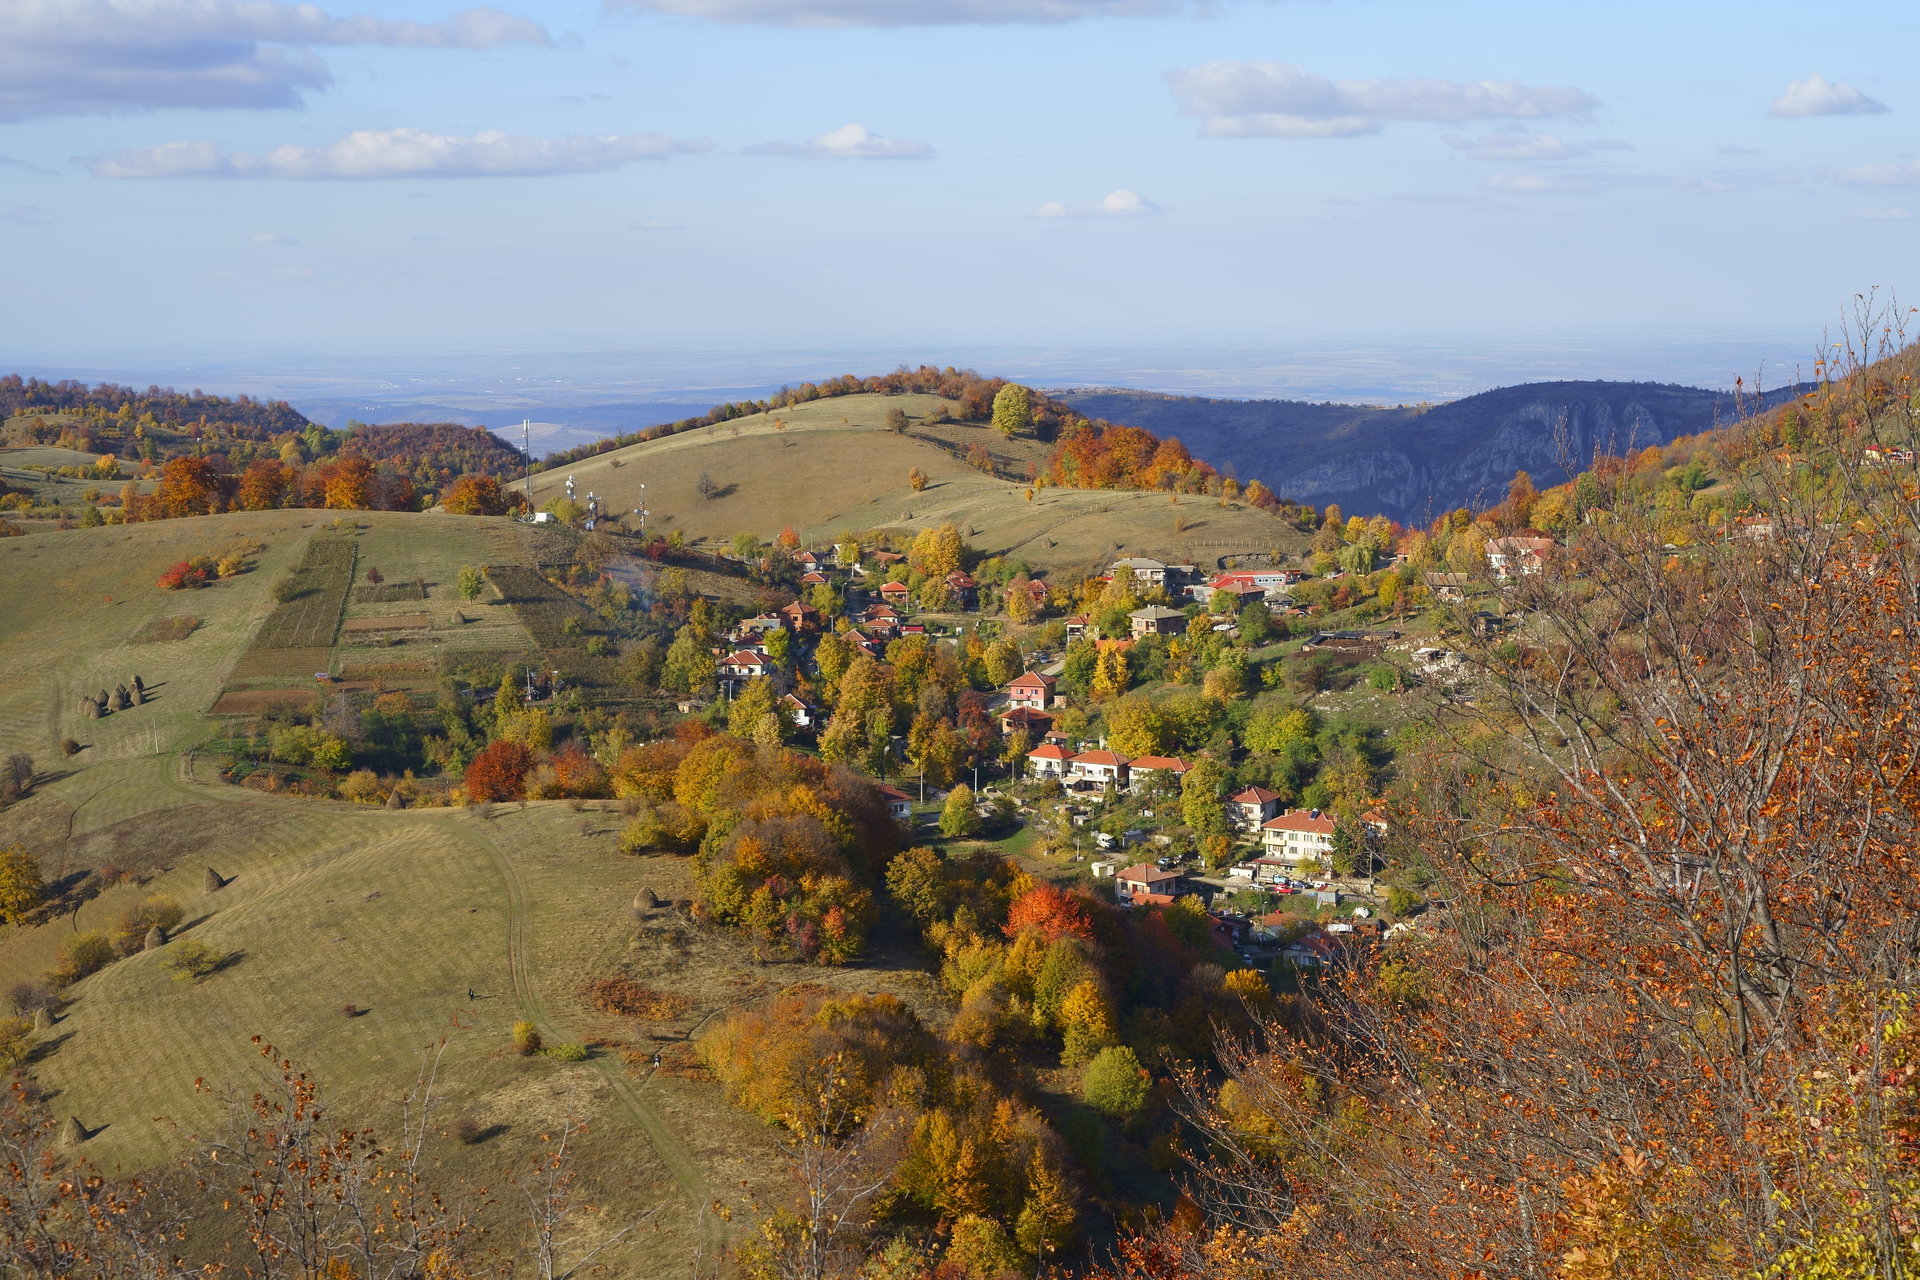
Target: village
[(1284, 882)]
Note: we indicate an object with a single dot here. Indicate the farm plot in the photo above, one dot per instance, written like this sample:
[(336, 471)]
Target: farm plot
[(545, 610), (312, 619), (392, 622), (391, 592)]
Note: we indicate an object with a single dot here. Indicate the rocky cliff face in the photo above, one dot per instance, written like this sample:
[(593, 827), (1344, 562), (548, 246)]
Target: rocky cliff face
[(1413, 464)]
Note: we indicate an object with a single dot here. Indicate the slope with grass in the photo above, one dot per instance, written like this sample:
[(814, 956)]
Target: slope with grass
[(351, 937), (830, 466)]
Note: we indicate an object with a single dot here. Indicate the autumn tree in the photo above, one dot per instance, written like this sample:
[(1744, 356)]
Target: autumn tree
[(499, 771), (957, 816), (1013, 410), (21, 886)]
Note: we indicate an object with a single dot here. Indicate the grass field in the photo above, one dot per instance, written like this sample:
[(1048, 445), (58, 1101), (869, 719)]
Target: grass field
[(833, 467), (326, 905)]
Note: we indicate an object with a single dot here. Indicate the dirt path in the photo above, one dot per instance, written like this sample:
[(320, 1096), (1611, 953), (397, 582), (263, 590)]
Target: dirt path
[(673, 1154)]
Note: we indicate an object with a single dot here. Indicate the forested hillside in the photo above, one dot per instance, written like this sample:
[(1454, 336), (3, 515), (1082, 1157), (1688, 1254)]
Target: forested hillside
[(1412, 463)]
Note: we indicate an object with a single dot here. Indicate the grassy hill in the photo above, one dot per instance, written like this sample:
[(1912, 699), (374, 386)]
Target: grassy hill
[(830, 466), (395, 913)]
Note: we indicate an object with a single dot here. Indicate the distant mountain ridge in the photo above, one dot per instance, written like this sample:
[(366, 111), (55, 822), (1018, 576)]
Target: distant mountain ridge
[(1415, 463)]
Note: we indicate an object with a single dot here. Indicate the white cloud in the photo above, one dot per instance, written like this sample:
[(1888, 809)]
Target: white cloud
[(270, 238), (1881, 215), (1819, 96), (397, 153), (1279, 100), (1533, 184), (1518, 146), (24, 215), (655, 224), (907, 13), (1116, 204), (848, 142), (84, 57), (1894, 173)]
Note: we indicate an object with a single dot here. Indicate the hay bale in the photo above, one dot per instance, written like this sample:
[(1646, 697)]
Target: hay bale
[(156, 938), (138, 686), (73, 1133), (42, 1020), (648, 899), (91, 707), (214, 882)]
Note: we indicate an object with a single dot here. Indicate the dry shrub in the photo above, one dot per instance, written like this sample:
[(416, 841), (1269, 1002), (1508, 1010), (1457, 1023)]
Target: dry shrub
[(622, 996)]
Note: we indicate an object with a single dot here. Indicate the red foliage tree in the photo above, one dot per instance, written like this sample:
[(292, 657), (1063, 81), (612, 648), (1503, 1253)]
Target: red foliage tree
[(499, 772), (1052, 912)]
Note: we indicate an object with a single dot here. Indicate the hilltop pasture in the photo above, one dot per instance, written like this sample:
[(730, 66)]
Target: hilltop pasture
[(830, 466)]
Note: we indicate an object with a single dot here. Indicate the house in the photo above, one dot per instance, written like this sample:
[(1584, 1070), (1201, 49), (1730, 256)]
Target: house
[(1038, 592), (1157, 620), (1150, 573), (1754, 528), (800, 617), (1300, 834), (744, 664), (1032, 691), (1251, 806), (807, 560), (762, 624), (1449, 586), (1049, 760), (899, 803), (803, 713), (813, 578), (1076, 627), (867, 644), (1034, 722), (1102, 767), (1313, 951), (1144, 769), (913, 628), (966, 591), (1242, 591), (880, 611), (895, 593), (1147, 878), (1518, 556)]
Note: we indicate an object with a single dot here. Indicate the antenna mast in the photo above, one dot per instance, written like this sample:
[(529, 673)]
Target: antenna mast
[(526, 459)]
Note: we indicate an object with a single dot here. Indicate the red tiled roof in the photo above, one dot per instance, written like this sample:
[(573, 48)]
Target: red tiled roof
[(1253, 795), (743, 658), (1159, 762), (1032, 680), (1146, 873), (1146, 898), (1108, 759), (1051, 751), (1300, 820)]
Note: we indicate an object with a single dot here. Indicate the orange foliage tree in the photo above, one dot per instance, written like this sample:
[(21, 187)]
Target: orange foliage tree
[(499, 771)]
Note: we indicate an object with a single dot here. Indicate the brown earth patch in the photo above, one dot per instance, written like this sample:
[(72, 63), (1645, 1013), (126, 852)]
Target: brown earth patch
[(161, 630), (253, 702), (397, 622), (257, 664)]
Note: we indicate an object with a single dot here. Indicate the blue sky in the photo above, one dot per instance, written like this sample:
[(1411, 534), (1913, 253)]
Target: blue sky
[(189, 175)]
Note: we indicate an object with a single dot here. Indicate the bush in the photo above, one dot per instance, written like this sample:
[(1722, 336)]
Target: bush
[(1402, 901), (158, 911), (193, 960), (526, 1039), (288, 589), (623, 997), (29, 998), (83, 954), (569, 1052), (187, 574), (469, 1130), (69, 746), (16, 1042)]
